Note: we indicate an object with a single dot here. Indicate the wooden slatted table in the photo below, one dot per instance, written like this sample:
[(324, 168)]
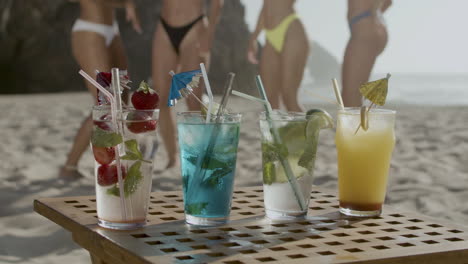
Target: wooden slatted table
[(324, 236)]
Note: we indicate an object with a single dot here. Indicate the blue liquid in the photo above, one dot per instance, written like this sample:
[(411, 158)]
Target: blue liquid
[(208, 178)]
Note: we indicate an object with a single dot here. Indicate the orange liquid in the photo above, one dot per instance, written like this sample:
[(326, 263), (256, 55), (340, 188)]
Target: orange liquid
[(363, 164)]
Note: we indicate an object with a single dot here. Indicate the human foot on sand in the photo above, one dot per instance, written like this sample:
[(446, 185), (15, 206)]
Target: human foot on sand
[(70, 173)]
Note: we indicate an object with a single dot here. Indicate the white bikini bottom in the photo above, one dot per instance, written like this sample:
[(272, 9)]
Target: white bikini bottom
[(107, 31)]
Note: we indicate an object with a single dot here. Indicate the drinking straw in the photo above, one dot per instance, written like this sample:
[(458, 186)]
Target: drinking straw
[(337, 93), (111, 99), (115, 84), (248, 97), (277, 139), (227, 92), (206, 157), (208, 90)]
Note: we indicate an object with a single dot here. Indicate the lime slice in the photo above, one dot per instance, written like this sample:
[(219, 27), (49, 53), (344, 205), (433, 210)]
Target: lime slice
[(296, 169), (214, 109), (316, 120)]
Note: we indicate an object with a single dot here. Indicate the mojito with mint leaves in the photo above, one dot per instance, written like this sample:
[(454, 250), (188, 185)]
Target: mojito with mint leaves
[(208, 153), (289, 146), (128, 141)]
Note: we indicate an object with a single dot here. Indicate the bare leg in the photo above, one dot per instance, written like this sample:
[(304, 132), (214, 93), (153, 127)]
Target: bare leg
[(89, 60), (367, 41), (190, 60), (293, 61), (164, 60), (270, 71)]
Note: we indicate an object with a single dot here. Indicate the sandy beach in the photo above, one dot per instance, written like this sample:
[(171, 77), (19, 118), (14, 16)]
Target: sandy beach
[(428, 175)]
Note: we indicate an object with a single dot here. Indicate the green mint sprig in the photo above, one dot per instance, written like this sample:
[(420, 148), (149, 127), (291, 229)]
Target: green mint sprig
[(134, 177), (132, 152), (195, 208), (104, 139)]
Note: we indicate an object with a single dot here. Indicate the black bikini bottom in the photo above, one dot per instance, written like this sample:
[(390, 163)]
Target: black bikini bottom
[(177, 34)]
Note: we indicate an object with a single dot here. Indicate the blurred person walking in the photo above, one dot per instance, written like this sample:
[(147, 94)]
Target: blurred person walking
[(284, 56), (182, 40), (96, 45), (368, 39)]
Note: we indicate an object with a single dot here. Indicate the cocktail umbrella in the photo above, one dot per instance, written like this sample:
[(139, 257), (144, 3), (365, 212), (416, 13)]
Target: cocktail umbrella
[(376, 92), (182, 86)]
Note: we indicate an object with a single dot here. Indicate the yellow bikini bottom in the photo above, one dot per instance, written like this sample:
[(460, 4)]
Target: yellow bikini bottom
[(277, 34)]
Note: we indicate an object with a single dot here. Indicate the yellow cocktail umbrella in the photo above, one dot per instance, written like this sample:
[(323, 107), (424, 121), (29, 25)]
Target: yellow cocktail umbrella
[(376, 91)]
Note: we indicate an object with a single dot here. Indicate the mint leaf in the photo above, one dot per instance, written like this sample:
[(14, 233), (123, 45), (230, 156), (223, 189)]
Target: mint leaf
[(195, 208), (209, 163), (269, 173), (132, 152), (307, 159), (133, 178), (212, 163), (131, 182), (272, 152), (103, 139), (216, 176), (113, 191)]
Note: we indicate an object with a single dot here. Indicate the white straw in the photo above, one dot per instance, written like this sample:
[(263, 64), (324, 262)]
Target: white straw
[(248, 97), (109, 96), (208, 90), (115, 84), (337, 93)]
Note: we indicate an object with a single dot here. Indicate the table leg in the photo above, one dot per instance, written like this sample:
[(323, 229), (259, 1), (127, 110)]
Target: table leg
[(95, 259)]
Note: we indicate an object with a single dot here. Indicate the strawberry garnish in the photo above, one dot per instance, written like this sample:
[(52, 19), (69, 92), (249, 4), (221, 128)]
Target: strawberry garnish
[(104, 155), (104, 79), (107, 174), (145, 98), (104, 122), (140, 122)]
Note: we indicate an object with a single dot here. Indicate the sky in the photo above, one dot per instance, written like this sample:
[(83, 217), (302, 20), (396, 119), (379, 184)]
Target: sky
[(425, 36)]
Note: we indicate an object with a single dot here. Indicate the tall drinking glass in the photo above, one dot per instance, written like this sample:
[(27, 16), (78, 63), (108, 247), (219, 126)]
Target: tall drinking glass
[(364, 160), (130, 142), (208, 153), (289, 146)]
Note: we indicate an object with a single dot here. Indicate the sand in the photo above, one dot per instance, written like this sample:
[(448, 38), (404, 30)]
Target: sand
[(428, 175)]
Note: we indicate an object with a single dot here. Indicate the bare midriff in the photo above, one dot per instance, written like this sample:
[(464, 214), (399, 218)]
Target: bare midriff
[(96, 12), (180, 12), (276, 11)]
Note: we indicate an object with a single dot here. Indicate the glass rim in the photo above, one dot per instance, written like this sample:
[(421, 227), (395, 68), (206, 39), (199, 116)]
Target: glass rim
[(199, 113), (372, 111), (281, 116), (124, 109)]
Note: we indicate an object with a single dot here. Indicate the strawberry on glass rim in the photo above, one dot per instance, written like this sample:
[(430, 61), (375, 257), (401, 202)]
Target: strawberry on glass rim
[(145, 98), (105, 80)]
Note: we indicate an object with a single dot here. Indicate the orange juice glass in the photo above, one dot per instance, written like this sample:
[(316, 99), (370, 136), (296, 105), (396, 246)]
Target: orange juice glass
[(364, 160)]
